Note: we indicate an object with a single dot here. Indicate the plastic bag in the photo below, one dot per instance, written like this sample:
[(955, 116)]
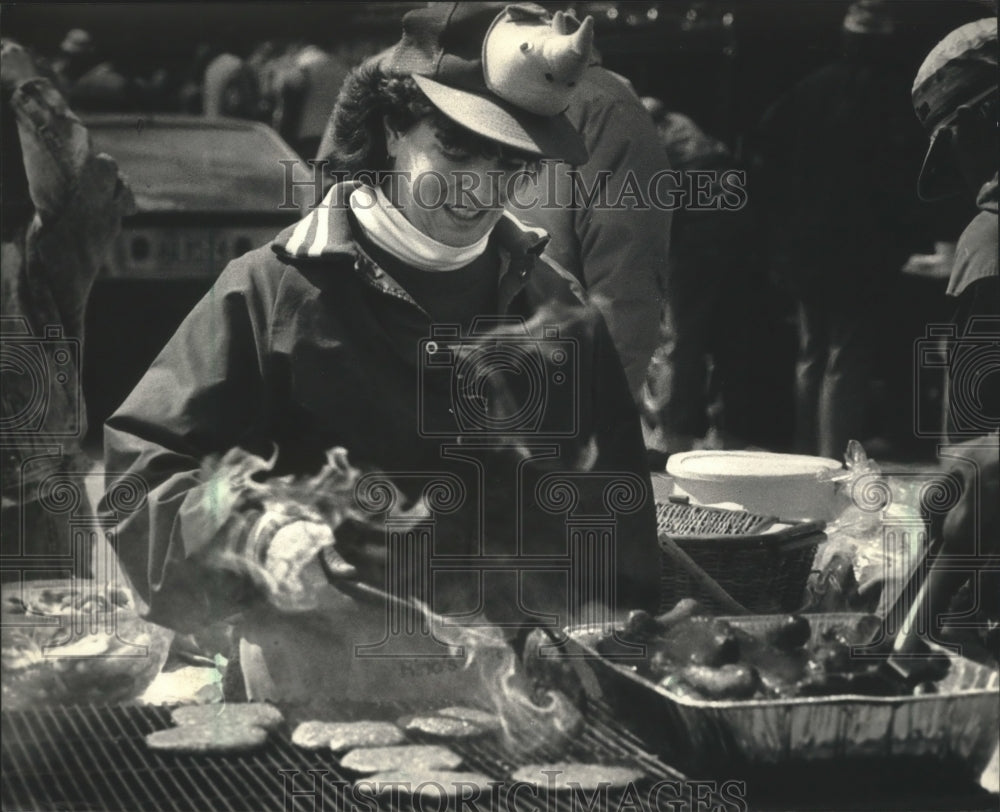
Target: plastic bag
[(875, 541)]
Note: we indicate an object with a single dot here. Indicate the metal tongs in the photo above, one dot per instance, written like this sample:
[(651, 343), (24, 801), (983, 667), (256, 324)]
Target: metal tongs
[(344, 578), (910, 623)]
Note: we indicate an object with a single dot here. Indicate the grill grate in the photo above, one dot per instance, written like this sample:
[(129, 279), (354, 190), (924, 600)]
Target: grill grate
[(94, 758), (682, 519)]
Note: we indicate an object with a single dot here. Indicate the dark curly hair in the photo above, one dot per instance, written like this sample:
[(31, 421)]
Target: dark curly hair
[(369, 96)]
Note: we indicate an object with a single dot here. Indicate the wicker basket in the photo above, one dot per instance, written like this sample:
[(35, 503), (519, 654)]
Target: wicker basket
[(732, 560)]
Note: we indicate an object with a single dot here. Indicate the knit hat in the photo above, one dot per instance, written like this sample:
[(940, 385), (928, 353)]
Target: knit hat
[(961, 70), (506, 73)]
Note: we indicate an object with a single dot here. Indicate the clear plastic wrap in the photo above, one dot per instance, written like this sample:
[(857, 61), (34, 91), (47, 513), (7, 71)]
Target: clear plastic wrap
[(877, 539)]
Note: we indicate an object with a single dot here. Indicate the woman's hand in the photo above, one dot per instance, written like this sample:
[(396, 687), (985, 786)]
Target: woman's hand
[(293, 563), (971, 527)]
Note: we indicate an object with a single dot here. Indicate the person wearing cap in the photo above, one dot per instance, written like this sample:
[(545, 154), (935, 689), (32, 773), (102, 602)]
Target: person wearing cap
[(697, 384), (321, 339), (618, 252), (955, 96), (836, 159)]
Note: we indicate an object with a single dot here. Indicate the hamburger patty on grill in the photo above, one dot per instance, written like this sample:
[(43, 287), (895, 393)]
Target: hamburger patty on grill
[(406, 757), (340, 736), (260, 714), (208, 738)]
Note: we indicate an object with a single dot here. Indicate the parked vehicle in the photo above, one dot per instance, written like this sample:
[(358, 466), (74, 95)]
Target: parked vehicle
[(207, 191)]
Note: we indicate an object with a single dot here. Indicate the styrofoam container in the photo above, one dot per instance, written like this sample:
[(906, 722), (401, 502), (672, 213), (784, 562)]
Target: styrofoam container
[(789, 486)]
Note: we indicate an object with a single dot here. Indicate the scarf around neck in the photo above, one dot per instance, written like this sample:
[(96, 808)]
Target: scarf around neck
[(385, 225)]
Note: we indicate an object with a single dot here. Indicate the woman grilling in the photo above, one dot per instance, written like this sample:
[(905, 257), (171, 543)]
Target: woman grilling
[(410, 320)]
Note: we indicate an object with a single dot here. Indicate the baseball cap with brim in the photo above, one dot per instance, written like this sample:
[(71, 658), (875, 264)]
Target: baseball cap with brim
[(940, 176), (960, 71), (544, 136), (443, 47)]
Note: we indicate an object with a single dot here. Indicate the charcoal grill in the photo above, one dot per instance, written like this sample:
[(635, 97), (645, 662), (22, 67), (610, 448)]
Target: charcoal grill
[(94, 758)]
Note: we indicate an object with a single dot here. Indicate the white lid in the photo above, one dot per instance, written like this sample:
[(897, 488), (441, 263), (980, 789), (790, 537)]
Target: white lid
[(712, 465)]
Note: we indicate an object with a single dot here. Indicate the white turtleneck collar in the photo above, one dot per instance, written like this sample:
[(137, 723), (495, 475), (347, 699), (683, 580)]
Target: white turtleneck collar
[(385, 225)]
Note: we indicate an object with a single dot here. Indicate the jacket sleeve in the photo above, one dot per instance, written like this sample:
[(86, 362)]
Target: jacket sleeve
[(618, 247), (79, 199), (621, 450), (203, 395)]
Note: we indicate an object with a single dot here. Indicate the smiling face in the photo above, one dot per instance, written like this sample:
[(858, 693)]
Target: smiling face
[(449, 183)]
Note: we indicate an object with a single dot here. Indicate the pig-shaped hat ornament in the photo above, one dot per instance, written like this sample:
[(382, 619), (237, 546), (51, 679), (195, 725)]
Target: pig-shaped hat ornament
[(536, 67)]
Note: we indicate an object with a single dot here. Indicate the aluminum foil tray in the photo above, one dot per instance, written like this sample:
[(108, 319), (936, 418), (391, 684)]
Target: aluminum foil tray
[(960, 723)]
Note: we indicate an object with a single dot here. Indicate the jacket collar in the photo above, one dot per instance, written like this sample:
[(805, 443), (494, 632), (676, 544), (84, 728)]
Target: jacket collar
[(325, 233)]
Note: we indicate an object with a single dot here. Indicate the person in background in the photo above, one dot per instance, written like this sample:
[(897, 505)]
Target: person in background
[(956, 99), (230, 88), (87, 80), (62, 208), (76, 56), (695, 377), (190, 86), (618, 254), (324, 75), (283, 85), (838, 154), (955, 96)]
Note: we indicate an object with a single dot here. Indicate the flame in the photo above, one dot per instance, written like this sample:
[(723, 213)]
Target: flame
[(528, 726), (327, 498)]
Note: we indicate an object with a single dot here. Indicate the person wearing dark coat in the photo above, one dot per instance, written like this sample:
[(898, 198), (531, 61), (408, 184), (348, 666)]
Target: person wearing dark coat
[(955, 97), (407, 328), (838, 156)]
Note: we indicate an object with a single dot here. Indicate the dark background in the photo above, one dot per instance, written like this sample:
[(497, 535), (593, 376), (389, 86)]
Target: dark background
[(722, 63)]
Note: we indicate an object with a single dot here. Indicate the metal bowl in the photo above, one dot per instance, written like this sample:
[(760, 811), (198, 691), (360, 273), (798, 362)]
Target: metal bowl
[(76, 642)]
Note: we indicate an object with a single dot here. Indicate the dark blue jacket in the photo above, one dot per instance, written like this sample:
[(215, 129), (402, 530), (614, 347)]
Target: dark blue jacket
[(307, 344)]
